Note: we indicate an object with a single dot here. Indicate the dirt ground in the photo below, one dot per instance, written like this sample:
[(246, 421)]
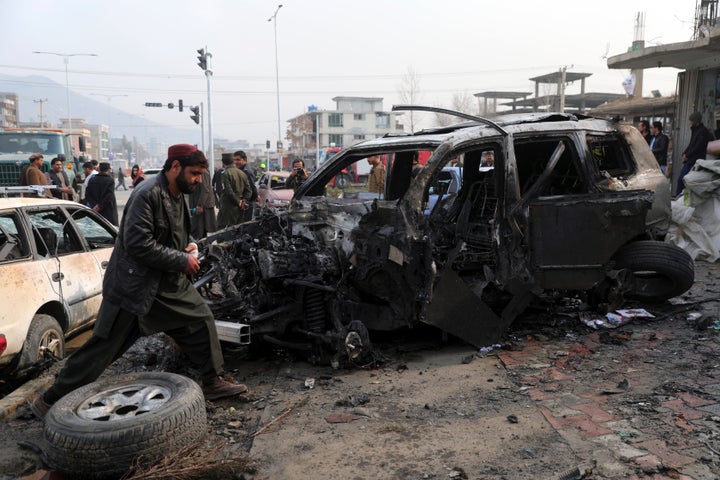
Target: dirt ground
[(558, 400)]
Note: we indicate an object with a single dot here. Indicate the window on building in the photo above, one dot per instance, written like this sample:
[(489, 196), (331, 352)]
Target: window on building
[(382, 120), (335, 120), (358, 116), (359, 137), (336, 138)]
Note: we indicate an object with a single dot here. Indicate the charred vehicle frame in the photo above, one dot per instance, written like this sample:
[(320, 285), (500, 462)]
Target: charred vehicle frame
[(572, 204)]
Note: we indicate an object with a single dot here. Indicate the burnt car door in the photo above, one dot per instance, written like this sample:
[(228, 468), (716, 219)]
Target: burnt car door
[(572, 228)]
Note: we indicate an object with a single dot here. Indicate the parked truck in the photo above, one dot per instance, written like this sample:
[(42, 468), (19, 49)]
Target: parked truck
[(17, 144)]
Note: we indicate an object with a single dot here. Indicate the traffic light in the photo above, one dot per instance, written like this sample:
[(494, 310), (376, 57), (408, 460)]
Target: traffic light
[(267, 144), (202, 59), (196, 117), (153, 104), (180, 105), (171, 105)]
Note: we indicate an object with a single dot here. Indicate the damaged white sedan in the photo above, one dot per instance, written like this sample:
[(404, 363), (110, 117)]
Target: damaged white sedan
[(53, 255), (570, 204)]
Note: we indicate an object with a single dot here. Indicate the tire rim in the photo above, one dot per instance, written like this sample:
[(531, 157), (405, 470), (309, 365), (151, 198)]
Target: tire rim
[(123, 402), (50, 342)]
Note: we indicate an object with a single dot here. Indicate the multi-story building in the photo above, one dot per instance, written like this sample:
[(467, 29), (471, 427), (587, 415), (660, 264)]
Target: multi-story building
[(354, 119), (8, 110), (100, 141)]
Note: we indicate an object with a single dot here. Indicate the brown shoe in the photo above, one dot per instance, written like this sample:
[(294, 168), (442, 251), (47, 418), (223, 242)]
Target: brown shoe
[(221, 388), (40, 407)]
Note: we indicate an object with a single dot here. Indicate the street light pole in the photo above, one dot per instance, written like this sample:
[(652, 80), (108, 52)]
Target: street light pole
[(66, 59), (277, 78), (205, 62)]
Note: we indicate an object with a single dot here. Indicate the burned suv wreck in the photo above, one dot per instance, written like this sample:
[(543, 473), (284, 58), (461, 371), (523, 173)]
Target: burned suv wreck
[(571, 205)]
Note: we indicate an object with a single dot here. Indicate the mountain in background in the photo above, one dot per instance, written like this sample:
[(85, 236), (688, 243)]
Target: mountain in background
[(31, 89)]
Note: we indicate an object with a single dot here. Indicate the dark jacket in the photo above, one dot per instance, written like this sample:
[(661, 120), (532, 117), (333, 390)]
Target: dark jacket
[(101, 192), (697, 148), (57, 181), (250, 174), (659, 147), (142, 250)]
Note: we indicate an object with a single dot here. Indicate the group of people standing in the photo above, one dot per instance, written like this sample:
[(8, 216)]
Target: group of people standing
[(235, 189), (696, 149), (97, 191)]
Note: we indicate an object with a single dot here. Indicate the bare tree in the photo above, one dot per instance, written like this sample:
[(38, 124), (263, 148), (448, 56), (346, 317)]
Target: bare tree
[(299, 134), (461, 102), (409, 93)]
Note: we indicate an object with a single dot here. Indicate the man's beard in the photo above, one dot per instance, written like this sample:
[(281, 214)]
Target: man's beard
[(183, 184)]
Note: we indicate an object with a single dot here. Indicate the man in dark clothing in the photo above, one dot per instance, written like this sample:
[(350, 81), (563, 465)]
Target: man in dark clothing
[(100, 194), (202, 208), (696, 149), (59, 178), (240, 160), (659, 145), (146, 288), (644, 129), (121, 179)]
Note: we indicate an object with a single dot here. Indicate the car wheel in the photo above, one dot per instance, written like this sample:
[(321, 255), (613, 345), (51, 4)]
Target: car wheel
[(99, 430), (342, 181), (44, 335), (661, 270)]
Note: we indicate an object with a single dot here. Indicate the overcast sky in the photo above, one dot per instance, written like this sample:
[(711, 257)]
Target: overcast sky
[(147, 50)]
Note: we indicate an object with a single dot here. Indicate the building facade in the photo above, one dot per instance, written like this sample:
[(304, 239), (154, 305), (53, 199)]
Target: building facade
[(9, 110), (354, 119), (698, 82)]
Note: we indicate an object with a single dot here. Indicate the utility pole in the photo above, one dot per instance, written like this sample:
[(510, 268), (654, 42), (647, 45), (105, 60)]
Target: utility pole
[(41, 101), (66, 59), (277, 81)]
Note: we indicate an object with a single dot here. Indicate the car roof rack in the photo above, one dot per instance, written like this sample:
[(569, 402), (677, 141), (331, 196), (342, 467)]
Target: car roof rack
[(25, 189)]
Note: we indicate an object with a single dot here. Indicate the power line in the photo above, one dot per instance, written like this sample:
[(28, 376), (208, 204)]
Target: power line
[(383, 76)]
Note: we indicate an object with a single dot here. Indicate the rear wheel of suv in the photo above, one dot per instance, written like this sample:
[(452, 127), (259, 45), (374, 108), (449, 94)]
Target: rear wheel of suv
[(44, 335), (661, 270)]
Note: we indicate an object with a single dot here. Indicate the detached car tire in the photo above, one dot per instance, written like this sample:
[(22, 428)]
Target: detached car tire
[(44, 333), (661, 270), (98, 430)]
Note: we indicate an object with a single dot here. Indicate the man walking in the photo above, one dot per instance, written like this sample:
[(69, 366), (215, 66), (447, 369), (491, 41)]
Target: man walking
[(235, 196), (121, 179), (100, 194), (240, 161), (696, 149), (146, 288)]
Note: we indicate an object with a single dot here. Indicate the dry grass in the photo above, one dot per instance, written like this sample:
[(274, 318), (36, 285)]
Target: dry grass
[(191, 462)]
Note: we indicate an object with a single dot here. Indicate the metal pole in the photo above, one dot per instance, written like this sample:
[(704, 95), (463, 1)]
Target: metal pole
[(202, 128), (66, 58), (277, 73), (208, 74)]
